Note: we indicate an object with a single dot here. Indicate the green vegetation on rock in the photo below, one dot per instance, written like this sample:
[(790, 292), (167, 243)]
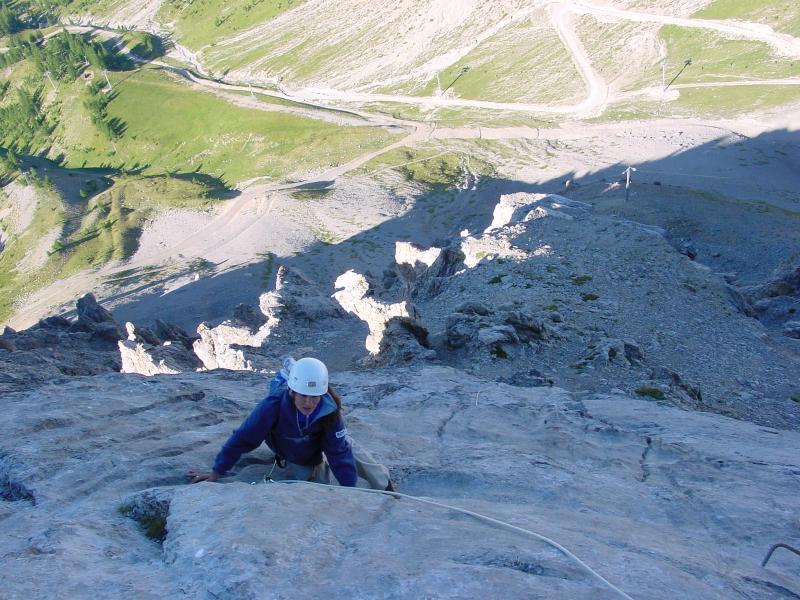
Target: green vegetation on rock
[(714, 56), (88, 231), (430, 166), (526, 62), (651, 392), (781, 15), (202, 22), (193, 130)]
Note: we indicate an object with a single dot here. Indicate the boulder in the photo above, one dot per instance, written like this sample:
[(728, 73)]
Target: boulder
[(473, 308), (616, 351), (403, 341), (679, 392), (459, 330), (93, 318), (527, 326), (498, 334)]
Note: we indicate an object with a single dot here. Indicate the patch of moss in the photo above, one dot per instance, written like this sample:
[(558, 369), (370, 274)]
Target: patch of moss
[(589, 297), (499, 352), (651, 392), (580, 279), (496, 279)]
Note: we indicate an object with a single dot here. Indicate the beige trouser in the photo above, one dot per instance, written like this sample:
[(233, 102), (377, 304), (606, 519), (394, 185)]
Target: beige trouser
[(373, 472)]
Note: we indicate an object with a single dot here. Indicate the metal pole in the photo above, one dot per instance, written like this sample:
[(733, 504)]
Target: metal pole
[(47, 74), (108, 81), (686, 63), (462, 72), (627, 172)]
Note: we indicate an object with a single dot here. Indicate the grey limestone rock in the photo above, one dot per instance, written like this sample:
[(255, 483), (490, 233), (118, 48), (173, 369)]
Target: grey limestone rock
[(473, 308), (497, 334), (404, 341), (138, 355), (171, 332), (792, 329), (527, 326), (95, 319), (652, 497)]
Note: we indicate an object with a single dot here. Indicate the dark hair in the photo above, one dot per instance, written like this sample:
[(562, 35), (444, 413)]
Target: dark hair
[(332, 419)]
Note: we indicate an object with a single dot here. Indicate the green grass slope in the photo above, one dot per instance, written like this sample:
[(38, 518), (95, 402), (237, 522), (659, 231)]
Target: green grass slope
[(525, 62), (781, 15), (199, 23), (88, 231), (171, 126)]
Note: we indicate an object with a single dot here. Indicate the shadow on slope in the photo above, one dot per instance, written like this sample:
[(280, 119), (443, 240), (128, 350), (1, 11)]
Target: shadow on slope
[(749, 177)]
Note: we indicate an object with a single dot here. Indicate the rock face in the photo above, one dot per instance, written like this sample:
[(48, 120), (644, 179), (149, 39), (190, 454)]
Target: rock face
[(353, 296), (93, 318), (151, 357), (57, 347), (662, 502), (777, 302), (238, 343)]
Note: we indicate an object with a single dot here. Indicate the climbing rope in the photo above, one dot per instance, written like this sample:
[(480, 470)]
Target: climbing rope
[(479, 516), (775, 547)]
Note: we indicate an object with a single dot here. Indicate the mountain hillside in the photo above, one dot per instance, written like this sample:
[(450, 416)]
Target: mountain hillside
[(549, 251)]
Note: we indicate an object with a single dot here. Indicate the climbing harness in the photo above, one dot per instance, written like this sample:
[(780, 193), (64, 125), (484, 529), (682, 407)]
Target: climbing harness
[(479, 516)]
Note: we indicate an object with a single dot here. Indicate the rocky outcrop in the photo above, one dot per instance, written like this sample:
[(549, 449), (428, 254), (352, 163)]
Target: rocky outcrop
[(297, 297), (651, 497), (615, 351), (425, 273), (676, 390), (403, 341), (354, 297), (140, 354), (57, 346), (475, 326), (239, 343), (776, 302), (7, 338), (523, 206), (95, 319), (224, 346)]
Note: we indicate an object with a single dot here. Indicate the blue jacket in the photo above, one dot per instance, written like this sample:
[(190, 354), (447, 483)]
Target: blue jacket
[(276, 421)]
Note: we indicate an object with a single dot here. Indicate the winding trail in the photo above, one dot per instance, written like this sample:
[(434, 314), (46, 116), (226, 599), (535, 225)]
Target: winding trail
[(254, 208), (783, 43)]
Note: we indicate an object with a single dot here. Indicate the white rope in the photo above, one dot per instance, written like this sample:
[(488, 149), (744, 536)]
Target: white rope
[(538, 536)]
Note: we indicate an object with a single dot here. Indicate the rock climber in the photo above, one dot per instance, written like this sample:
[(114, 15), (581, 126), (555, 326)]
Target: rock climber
[(300, 420)]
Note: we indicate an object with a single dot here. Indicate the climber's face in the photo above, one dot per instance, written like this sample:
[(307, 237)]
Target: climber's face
[(306, 404)]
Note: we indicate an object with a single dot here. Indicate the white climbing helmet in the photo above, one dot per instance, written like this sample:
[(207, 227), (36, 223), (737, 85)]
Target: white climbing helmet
[(309, 377)]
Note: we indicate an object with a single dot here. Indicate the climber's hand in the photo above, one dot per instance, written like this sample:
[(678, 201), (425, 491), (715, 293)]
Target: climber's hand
[(198, 476)]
